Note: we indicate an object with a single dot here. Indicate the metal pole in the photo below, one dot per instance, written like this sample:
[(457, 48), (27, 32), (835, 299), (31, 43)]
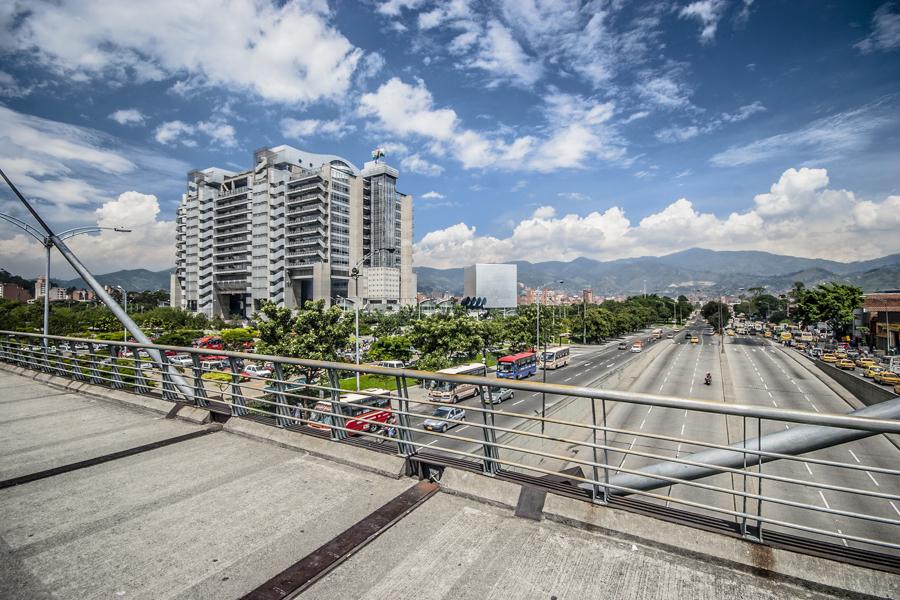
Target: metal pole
[(584, 321), (47, 245), (356, 311), (117, 311)]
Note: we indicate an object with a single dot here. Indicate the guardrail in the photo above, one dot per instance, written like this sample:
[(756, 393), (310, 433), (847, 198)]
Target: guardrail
[(758, 487)]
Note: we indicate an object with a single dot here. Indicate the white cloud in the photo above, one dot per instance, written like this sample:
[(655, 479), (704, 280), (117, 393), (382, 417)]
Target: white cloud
[(304, 128), (408, 109), (799, 216), (682, 133), (416, 164), (501, 55), (218, 131), (171, 132), (283, 52), (394, 8), (708, 12), (149, 245), (664, 92), (10, 88), (823, 140), (128, 116), (885, 29), (432, 195)]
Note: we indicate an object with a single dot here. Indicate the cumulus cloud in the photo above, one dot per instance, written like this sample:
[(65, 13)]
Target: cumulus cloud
[(171, 132), (577, 130), (432, 195), (149, 245), (885, 34), (504, 58), (800, 215), (708, 12), (128, 116), (178, 132), (416, 164), (286, 52)]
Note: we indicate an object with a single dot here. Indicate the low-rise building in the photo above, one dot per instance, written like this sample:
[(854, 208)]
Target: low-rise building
[(881, 316), (14, 291)]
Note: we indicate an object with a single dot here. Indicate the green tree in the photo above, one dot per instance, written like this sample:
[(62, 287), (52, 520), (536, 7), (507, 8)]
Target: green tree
[(236, 340), (831, 303), (391, 347), (454, 336), (711, 312)]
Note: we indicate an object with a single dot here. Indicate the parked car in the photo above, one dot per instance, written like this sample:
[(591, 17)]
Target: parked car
[(181, 360), (390, 364), (498, 394), (441, 417), (256, 371)]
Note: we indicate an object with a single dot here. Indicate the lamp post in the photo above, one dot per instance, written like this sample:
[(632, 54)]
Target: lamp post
[(354, 273), (47, 244), (538, 347)]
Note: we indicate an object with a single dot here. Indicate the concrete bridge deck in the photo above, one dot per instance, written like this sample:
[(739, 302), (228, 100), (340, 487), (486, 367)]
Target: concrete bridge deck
[(216, 515)]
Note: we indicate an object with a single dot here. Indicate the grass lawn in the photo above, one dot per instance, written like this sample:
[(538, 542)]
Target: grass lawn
[(370, 381)]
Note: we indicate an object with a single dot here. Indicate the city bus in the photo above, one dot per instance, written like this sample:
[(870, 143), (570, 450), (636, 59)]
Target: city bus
[(517, 366), (554, 357), (445, 391), (373, 405)]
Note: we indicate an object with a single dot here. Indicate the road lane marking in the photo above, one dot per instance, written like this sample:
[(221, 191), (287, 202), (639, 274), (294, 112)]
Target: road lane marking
[(463, 428), (610, 365), (873, 479), (568, 379), (842, 539), (853, 454), (894, 506), (661, 385), (434, 442), (821, 495), (642, 424), (519, 401), (808, 470)]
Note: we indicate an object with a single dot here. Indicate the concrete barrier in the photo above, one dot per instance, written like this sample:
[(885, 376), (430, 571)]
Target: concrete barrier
[(868, 393)]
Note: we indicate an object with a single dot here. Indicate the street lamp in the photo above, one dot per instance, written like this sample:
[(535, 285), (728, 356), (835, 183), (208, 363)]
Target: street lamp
[(354, 273), (543, 370), (47, 244)]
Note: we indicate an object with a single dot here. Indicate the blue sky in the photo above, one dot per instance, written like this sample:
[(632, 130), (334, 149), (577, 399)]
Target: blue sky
[(524, 129)]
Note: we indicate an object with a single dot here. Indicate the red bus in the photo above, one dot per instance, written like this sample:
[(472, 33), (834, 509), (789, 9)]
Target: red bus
[(374, 405), (517, 366)]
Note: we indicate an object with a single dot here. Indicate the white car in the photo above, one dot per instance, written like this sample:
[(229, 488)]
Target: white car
[(256, 371), (637, 347), (181, 360)]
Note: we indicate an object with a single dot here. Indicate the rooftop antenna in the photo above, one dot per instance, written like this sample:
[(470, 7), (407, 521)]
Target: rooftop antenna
[(101, 293)]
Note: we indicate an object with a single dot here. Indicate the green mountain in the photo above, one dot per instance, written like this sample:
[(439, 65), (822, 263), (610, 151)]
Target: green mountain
[(133, 280)]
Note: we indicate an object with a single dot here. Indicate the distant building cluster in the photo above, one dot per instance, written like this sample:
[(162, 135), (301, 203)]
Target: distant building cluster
[(58, 294), (14, 291)]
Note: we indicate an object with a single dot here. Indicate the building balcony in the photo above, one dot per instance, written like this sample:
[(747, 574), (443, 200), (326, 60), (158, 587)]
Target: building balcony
[(234, 192)]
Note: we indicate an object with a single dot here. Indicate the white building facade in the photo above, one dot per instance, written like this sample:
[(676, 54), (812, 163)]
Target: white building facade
[(292, 229), (496, 283)]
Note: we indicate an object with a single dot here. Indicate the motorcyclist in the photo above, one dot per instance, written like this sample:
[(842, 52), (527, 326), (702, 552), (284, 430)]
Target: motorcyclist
[(708, 379)]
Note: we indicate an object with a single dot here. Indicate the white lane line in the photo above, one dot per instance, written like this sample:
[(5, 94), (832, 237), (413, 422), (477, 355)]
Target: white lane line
[(649, 410), (842, 539), (661, 386), (682, 428), (873, 479), (519, 401), (808, 470), (609, 365), (770, 394), (853, 454), (434, 442), (463, 428), (578, 374), (824, 501), (568, 379), (644, 422), (894, 506), (587, 364)]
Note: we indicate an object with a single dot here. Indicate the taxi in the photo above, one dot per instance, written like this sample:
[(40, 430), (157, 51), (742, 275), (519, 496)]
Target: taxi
[(840, 354), (865, 363), (887, 378), (695, 339), (872, 371), (846, 364), (829, 358)]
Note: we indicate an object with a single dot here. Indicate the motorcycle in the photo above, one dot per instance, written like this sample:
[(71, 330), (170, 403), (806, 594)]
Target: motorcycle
[(708, 379)]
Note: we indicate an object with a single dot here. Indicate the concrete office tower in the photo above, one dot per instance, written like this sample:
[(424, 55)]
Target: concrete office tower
[(289, 230), (496, 283)]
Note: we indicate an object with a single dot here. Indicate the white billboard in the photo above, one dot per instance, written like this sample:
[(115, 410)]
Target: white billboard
[(496, 283)]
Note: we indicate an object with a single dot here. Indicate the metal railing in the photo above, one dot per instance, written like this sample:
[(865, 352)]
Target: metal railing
[(730, 469)]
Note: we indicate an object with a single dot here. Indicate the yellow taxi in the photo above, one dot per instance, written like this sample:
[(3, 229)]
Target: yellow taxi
[(887, 378), (846, 364), (695, 339), (730, 332), (840, 354), (800, 346), (767, 334), (865, 363), (872, 371), (829, 358)]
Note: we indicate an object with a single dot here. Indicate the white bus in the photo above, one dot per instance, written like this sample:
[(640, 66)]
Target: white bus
[(554, 357), (445, 391)]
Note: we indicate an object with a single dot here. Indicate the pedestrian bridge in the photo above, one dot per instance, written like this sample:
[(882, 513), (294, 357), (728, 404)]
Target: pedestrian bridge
[(108, 493)]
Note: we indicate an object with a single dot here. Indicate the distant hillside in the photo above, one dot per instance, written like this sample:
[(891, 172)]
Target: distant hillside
[(683, 272), (133, 280)]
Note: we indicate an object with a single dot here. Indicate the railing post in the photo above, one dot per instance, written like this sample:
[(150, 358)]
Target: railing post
[(605, 452), (140, 382), (490, 465), (199, 389), (282, 413), (45, 356), (338, 419), (744, 531), (759, 509), (238, 406), (404, 433), (60, 365), (598, 495), (93, 372), (168, 386), (114, 364)]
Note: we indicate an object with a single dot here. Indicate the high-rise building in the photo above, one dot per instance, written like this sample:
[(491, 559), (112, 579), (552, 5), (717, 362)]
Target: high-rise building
[(297, 226)]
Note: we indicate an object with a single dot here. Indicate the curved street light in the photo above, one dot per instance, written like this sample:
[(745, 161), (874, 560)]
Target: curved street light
[(47, 244), (354, 273)]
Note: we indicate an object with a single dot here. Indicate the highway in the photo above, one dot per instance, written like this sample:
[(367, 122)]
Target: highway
[(758, 373)]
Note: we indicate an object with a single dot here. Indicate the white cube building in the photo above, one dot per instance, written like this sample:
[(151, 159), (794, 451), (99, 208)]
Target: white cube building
[(496, 283)]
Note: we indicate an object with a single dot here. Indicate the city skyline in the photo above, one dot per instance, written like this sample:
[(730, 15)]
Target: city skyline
[(532, 131)]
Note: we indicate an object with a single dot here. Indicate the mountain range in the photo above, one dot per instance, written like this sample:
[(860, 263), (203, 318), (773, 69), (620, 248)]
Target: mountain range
[(685, 271), (681, 272)]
